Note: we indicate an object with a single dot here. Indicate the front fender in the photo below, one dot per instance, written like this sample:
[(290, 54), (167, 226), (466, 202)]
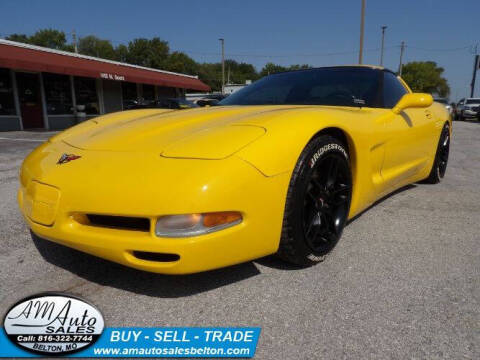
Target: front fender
[(287, 135), (277, 152)]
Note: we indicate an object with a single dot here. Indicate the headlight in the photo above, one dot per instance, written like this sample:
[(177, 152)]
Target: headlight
[(196, 224)]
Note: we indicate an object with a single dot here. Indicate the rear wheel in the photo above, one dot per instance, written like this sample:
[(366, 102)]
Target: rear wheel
[(318, 202), (441, 157)]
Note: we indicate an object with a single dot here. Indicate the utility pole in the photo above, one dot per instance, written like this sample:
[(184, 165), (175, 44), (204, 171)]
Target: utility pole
[(476, 64), (383, 41), (74, 40), (402, 49), (223, 62), (362, 25)]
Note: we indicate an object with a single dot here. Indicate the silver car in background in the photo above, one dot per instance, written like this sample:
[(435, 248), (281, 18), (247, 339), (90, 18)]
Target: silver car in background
[(468, 108)]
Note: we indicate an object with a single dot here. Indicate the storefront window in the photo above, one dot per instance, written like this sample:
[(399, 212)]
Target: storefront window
[(129, 94), (166, 92), (149, 92), (86, 95), (7, 104), (58, 94)]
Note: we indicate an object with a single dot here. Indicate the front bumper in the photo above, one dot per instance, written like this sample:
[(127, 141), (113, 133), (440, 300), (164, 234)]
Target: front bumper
[(470, 113), (53, 199)]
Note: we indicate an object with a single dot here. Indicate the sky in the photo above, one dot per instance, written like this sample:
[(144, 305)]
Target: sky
[(320, 32)]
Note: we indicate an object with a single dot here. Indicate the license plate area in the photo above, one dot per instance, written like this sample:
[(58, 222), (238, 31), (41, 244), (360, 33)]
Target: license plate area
[(40, 202)]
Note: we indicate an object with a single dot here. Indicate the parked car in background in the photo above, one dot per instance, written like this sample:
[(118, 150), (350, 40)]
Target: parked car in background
[(174, 103), (444, 101), (206, 99), (163, 103), (207, 102), (468, 108), (218, 97)]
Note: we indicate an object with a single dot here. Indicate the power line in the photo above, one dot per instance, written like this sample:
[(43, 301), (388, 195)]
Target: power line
[(439, 50), (347, 52), (474, 49), (256, 55), (303, 55), (322, 54)]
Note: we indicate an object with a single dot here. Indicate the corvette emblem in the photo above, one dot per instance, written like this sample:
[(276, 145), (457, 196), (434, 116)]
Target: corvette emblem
[(67, 158)]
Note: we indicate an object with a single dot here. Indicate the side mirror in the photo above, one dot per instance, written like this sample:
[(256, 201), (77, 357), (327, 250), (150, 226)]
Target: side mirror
[(413, 100)]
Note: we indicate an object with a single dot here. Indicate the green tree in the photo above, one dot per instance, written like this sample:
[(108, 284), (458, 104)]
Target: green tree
[(150, 53), (19, 38), (426, 76), (271, 68), (211, 74), (182, 63), (94, 46), (49, 38), (121, 52), (299, 67), (238, 73)]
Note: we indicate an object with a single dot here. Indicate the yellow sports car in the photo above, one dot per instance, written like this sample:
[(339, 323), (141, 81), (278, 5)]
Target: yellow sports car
[(278, 167)]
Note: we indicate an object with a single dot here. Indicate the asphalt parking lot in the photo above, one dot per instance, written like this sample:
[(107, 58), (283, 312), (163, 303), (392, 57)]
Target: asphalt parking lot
[(404, 281)]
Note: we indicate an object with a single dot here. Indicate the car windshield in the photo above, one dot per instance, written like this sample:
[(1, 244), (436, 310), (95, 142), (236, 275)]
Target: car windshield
[(473, 101), (342, 86)]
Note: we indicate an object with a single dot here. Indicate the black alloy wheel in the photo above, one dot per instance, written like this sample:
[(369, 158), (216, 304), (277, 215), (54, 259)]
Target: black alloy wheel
[(326, 202), (439, 167), (443, 151), (318, 202)]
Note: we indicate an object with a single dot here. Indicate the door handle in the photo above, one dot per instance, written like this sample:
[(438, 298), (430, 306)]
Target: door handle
[(428, 114)]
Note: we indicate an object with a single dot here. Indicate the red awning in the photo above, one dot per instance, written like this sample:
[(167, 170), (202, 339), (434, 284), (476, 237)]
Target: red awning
[(33, 58)]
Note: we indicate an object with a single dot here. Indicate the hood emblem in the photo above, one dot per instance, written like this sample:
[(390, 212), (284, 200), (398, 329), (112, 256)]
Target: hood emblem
[(65, 158)]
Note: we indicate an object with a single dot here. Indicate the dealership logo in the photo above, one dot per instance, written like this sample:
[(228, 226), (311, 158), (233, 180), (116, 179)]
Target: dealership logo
[(53, 324), (65, 158)]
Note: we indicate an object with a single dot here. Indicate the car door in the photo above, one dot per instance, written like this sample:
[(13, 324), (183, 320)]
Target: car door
[(407, 137)]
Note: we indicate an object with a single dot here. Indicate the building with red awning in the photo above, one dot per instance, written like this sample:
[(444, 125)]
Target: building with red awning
[(51, 89)]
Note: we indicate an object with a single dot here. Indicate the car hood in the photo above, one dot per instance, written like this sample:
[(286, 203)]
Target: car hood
[(204, 133)]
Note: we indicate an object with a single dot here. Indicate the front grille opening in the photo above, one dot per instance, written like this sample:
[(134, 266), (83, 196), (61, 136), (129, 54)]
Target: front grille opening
[(119, 222), (152, 256)]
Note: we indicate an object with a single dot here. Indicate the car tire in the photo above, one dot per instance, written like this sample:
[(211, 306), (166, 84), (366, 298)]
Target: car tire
[(317, 203), (440, 162)]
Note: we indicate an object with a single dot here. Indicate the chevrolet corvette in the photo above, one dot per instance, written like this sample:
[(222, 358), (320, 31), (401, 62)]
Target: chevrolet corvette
[(278, 167)]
